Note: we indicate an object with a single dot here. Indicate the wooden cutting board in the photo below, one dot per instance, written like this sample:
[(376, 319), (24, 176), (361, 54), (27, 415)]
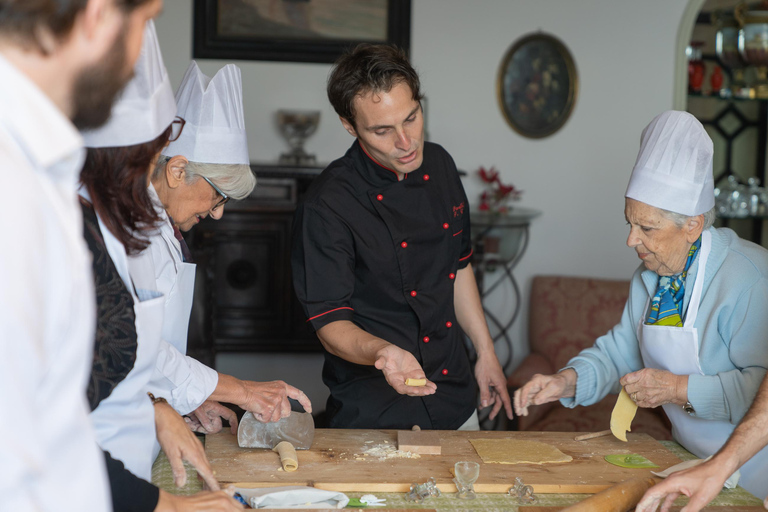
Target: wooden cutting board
[(337, 462)]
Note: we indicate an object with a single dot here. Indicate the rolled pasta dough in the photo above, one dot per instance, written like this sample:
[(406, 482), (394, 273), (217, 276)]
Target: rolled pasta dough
[(512, 451)]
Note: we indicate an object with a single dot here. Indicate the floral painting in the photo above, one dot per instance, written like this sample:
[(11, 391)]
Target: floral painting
[(537, 85)]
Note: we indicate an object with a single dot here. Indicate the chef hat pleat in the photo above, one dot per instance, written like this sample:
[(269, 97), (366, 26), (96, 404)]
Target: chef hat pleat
[(145, 107), (673, 170), (213, 110)]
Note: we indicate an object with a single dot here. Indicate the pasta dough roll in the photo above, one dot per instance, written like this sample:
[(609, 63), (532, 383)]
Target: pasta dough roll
[(288, 457)]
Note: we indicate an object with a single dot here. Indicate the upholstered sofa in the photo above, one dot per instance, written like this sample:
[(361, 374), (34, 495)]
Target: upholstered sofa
[(567, 314)]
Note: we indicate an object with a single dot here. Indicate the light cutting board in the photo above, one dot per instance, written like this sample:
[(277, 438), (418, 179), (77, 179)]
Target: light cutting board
[(336, 462)]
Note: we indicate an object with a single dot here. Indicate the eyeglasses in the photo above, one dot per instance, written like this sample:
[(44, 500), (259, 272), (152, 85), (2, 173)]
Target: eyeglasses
[(224, 197), (177, 126)]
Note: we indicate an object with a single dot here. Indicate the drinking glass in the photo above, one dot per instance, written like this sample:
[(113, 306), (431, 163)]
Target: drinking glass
[(466, 475)]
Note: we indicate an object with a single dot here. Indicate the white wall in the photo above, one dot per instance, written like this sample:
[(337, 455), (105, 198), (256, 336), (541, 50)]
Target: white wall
[(624, 52)]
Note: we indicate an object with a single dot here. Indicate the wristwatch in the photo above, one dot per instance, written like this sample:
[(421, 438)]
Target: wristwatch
[(688, 407), (156, 400)]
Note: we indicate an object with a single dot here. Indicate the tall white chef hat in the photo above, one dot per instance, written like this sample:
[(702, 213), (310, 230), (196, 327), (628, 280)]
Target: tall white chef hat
[(673, 170), (145, 107), (213, 109)]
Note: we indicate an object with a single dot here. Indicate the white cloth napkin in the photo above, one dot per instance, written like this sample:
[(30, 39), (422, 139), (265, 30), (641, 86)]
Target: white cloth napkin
[(732, 481), (293, 497)]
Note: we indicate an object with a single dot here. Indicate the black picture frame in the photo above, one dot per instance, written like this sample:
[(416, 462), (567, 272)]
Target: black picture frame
[(209, 44), (537, 85)]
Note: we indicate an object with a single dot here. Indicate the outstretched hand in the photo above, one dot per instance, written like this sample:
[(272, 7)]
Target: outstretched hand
[(542, 389), (398, 365)]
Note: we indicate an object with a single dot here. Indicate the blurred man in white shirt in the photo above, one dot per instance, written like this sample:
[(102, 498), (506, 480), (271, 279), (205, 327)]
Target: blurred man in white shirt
[(62, 62)]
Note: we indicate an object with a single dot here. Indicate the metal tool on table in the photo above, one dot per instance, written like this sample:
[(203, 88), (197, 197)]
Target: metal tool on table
[(295, 432), (419, 492)]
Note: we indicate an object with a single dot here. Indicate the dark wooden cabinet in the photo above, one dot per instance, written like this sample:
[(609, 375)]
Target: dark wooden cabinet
[(244, 298)]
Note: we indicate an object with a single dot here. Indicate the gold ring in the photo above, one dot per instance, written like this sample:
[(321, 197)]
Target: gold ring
[(633, 396)]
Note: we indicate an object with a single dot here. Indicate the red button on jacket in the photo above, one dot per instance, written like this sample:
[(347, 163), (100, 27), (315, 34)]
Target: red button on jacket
[(448, 324), (379, 197), (451, 276), (446, 225), (426, 339), (403, 244), (413, 293), (445, 371), (426, 177)]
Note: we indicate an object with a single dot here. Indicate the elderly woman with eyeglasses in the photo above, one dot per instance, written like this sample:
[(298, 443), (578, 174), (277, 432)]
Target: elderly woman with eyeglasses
[(196, 175), (692, 338)]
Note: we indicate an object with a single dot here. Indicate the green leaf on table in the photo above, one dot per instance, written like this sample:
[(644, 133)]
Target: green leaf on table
[(632, 460)]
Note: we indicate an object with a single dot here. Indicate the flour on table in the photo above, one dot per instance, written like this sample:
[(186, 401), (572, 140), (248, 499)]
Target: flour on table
[(386, 451)]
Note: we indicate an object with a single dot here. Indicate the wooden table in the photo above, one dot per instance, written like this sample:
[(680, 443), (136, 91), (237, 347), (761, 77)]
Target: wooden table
[(737, 500), (338, 461)]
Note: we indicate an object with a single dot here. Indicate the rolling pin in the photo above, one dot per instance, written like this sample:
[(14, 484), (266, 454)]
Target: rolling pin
[(619, 498)]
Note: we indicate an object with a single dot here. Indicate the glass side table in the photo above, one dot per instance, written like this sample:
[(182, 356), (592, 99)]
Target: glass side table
[(499, 242)]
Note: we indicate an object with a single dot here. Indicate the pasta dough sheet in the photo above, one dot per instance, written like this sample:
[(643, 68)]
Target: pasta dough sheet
[(511, 451), (622, 415)]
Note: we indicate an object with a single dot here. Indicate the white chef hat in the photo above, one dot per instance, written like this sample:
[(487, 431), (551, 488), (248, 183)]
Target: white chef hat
[(673, 170), (214, 132), (145, 107)]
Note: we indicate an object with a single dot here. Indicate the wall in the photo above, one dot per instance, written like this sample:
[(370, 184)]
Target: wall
[(624, 52)]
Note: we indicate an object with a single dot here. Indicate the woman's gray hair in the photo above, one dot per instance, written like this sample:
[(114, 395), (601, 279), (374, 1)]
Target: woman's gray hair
[(679, 219), (235, 180)]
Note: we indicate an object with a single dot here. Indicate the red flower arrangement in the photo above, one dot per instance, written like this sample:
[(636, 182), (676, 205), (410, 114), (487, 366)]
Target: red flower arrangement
[(496, 197)]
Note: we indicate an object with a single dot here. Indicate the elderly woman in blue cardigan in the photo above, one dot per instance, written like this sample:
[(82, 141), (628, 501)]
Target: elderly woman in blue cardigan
[(693, 337)]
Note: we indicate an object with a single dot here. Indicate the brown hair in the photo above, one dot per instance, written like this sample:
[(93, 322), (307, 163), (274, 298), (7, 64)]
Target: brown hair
[(369, 68), (22, 19), (116, 179)]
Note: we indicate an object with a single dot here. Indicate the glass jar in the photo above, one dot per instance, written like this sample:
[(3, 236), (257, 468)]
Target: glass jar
[(727, 50), (731, 199), (753, 44), (695, 67), (756, 198)]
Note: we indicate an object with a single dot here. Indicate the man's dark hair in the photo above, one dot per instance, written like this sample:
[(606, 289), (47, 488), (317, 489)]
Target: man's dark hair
[(369, 68), (22, 19)]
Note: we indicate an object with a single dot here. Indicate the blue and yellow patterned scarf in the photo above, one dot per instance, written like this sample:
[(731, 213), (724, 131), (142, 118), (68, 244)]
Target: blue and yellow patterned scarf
[(667, 304)]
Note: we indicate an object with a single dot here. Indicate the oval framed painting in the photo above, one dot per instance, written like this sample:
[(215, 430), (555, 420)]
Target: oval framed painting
[(537, 85)]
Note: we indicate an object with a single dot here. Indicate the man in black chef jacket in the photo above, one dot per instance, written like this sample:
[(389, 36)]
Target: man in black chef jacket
[(381, 248)]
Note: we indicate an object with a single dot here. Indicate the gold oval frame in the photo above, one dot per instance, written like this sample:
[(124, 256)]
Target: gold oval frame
[(573, 85)]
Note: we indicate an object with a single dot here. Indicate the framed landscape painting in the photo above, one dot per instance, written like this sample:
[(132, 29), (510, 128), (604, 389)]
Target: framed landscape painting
[(296, 30)]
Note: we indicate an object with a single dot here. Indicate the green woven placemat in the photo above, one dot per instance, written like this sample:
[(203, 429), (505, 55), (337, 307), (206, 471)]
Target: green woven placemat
[(163, 478)]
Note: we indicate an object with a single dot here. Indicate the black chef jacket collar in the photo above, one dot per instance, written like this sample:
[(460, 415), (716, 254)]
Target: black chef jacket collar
[(373, 172)]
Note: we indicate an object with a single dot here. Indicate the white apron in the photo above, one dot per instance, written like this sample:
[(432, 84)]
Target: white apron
[(125, 420), (676, 350), (178, 303)]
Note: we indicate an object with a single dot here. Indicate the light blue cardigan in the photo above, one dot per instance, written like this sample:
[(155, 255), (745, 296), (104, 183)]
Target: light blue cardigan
[(733, 333)]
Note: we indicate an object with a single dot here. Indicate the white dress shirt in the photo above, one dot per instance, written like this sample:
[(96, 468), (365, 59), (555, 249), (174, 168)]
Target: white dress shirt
[(49, 459), (183, 380)]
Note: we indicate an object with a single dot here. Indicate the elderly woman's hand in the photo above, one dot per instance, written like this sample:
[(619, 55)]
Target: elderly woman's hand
[(545, 388), (650, 387)]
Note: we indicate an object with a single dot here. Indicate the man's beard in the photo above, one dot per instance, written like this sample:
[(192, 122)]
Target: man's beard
[(97, 87)]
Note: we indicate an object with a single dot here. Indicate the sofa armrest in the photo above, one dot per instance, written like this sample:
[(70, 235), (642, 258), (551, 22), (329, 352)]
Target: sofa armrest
[(531, 365)]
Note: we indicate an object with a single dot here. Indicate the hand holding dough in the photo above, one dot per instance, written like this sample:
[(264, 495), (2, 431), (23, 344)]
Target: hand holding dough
[(622, 415)]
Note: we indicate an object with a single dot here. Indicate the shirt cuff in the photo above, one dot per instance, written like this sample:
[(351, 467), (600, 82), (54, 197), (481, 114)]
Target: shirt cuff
[(466, 259), (705, 392), (323, 318), (585, 383), (201, 384)]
